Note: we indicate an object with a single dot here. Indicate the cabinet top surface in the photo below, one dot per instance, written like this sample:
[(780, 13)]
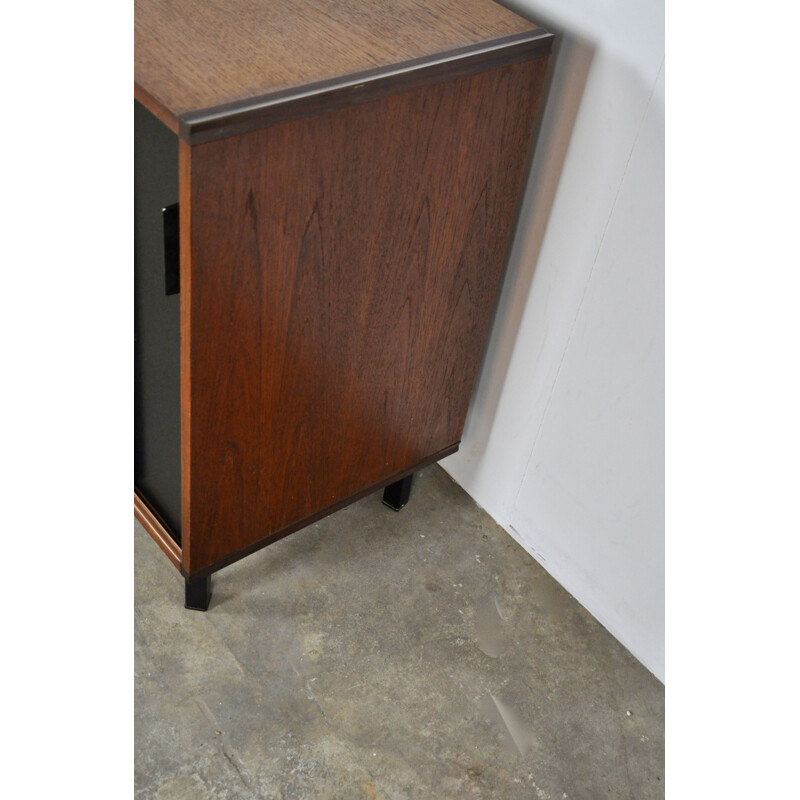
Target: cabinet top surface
[(192, 56)]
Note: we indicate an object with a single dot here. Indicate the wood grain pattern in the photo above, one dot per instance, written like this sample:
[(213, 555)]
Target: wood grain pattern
[(191, 56), (343, 272), (360, 87), (286, 530)]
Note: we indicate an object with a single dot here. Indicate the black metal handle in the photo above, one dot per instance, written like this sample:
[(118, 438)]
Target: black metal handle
[(172, 250)]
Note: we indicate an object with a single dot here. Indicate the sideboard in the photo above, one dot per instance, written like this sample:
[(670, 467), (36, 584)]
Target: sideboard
[(324, 195)]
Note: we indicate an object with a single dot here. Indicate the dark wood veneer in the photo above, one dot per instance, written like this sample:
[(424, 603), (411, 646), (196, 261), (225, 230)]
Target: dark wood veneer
[(275, 536), (192, 56), (341, 289), (347, 178)]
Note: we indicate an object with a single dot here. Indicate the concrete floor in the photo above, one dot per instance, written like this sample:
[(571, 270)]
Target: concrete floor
[(419, 654)]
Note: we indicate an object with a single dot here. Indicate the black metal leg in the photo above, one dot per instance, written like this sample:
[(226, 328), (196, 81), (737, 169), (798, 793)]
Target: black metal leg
[(396, 494), (198, 593)]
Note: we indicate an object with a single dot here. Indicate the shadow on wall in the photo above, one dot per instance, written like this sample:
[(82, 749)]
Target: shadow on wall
[(564, 441), (567, 72)]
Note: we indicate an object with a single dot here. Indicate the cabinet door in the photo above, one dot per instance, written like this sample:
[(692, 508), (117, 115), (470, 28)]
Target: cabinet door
[(157, 446)]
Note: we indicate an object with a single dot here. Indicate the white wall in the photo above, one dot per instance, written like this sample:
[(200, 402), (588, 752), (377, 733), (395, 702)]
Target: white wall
[(564, 442)]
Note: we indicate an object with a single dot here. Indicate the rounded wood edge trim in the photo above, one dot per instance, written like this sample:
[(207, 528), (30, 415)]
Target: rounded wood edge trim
[(232, 119), (156, 530)]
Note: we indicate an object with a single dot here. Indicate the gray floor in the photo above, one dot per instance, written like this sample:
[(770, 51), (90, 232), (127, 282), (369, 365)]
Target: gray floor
[(420, 654)]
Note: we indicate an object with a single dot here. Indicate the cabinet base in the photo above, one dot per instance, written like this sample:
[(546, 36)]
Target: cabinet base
[(198, 590)]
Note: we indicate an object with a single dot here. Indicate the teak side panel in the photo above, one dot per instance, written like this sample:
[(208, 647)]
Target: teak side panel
[(184, 63), (344, 270)]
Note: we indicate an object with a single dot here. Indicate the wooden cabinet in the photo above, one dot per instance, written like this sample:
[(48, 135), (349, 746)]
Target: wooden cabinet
[(346, 176)]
